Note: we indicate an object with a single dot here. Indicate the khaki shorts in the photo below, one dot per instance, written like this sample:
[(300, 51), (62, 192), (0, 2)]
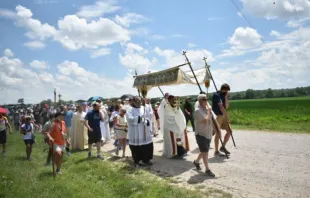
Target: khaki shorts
[(222, 122)]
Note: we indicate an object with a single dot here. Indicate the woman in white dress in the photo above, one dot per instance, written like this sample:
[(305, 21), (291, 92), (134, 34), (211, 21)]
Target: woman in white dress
[(120, 129)]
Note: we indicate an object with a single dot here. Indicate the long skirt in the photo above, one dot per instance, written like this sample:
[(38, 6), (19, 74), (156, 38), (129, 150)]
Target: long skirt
[(142, 153)]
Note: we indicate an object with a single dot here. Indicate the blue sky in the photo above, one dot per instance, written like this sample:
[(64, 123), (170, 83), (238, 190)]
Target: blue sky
[(86, 48)]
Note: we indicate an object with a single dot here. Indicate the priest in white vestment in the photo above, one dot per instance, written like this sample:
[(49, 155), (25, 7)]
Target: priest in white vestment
[(173, 125), (140, 138), (79, 131)]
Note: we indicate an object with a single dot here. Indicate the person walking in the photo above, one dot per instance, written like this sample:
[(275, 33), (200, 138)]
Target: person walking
[(92, 122), (204, 132), (188, 109)]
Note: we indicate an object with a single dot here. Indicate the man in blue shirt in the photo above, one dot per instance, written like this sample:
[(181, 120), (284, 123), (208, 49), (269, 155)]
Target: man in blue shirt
[(92, 122), (67, 119), (219, 106)]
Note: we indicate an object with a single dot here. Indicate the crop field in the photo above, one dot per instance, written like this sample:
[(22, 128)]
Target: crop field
[(275, 114)]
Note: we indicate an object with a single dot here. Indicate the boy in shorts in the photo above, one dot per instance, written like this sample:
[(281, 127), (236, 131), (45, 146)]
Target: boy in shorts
[(4, 123), (57, 135)]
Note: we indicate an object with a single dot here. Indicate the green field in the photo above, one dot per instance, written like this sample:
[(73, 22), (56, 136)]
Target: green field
[(83, 177), (275, 114)]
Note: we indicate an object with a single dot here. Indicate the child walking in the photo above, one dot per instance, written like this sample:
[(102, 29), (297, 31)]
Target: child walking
[(57, 135), (27, 129), (121, 130)]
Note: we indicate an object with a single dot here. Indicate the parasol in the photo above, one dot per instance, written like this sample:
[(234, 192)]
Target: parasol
[(3, 110), (94, 98)]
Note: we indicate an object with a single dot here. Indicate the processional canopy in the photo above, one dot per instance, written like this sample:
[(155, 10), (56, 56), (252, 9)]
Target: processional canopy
[(171, 76)]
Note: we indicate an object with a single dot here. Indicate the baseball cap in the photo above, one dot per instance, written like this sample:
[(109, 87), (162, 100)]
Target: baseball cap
[(202, 97)]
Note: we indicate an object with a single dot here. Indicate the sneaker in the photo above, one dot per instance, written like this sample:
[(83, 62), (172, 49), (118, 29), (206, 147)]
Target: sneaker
[(224, 150), (116, 152), (100, 157), (197, 165), (89, 154), (58, 172), (3, 154), (69, 154), (29, 159), (218, 154), (209, 173)]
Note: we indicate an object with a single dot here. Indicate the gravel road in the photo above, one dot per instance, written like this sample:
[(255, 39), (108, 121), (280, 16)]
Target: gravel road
[(264, 164)]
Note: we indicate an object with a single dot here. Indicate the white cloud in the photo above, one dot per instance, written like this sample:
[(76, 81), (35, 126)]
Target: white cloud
[(76, 33), (173, 58), (135, 58), (34, 45), (244, 38), (241, 41), (274, 33), (7, 13), (8, 53), (39, 64), (281, 9), (191, 45), (98, 9), (100, 52), (130, 18), (73, 32)]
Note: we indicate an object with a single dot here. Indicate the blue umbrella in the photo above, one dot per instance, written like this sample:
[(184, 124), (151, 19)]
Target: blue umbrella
[(94, 98)]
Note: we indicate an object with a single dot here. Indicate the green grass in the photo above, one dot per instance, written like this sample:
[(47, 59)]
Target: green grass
[(275, 114), (81, 177)]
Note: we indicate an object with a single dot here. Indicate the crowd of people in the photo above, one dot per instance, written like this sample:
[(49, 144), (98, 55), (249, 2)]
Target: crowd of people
[(134, 122)]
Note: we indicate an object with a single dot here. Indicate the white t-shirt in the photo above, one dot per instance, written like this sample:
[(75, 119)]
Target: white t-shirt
[(28, 135)]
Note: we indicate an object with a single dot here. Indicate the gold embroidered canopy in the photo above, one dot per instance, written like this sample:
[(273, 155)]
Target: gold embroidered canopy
[(171, 76)]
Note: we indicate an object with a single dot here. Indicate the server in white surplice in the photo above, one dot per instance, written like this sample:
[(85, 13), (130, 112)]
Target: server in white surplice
[(140, 138)]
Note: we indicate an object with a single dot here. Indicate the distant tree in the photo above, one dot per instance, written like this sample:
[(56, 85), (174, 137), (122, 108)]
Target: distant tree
[(249, 94), (269, 93)]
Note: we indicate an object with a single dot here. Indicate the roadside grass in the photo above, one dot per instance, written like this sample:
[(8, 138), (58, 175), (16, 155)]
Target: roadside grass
[(283, 114), (82, 177)]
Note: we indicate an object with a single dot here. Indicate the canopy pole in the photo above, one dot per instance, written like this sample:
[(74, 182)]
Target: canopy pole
[(137, 88), (229, 127), (190, 66), (161, 91)]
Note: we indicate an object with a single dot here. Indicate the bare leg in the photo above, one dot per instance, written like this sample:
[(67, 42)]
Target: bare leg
[(205, 160), (226, 138), (89, 147), (216, 142), (124, 146), (28, 151), (199, 157), (3, 147), (98, 144), (58, 159)]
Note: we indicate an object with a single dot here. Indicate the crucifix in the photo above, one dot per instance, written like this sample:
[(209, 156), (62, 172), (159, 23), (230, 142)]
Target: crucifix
[(59, 96)]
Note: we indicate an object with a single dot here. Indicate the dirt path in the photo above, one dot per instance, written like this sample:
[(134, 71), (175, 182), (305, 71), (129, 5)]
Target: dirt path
[(263, 165)]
